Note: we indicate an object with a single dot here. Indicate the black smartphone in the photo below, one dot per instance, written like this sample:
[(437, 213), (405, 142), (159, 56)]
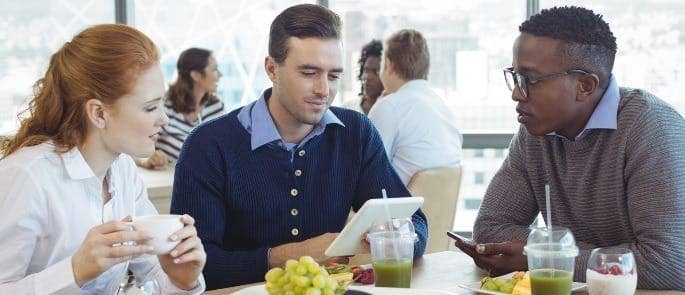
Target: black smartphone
[(463, 240)]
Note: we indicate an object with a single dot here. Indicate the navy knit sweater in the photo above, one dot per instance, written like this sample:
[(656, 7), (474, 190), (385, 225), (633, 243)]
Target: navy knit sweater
[(243, 200)]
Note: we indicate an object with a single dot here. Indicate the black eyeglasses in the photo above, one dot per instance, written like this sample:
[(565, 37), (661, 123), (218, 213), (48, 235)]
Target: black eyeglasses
[(515, 79)]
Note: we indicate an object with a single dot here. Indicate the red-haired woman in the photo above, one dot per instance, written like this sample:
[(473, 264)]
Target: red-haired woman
[(67, 184)]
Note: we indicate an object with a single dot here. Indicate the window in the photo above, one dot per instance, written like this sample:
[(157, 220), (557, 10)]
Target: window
[(651, 43), (30, 31), (472, 204), (479, 178), (481, 170), (237, 32), (479, 153), (469, 41)]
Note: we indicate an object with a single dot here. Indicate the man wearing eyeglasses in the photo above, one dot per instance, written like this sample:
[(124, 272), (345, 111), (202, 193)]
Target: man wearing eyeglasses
[(612, 156)]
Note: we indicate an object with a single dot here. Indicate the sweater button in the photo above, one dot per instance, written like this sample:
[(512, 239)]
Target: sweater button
[(294, 232), (298, 172), (301, 153), (294, 212), (293, 192)]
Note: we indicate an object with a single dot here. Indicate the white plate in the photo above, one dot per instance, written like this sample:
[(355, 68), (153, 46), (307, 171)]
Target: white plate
[(475, 286), (259, 290)]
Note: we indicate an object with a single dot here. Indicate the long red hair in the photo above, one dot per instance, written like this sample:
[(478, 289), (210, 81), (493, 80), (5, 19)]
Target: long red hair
[(101, 62)]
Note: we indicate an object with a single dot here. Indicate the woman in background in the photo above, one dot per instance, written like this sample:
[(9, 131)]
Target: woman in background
[(67, 184), (369, 68), (189, 102)]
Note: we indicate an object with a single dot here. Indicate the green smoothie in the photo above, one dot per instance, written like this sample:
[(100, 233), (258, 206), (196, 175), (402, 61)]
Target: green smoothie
[(550, 282), (393, 273)]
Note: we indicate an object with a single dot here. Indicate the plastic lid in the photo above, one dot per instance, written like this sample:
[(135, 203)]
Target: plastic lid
[(561, 244), (398, 226)]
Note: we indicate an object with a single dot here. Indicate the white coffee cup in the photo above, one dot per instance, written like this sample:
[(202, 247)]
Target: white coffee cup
[(161, 227)]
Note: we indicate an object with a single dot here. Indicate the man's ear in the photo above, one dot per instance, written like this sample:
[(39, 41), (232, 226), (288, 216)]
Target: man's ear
[(388, 66), (95, 112), (271, 68), (587, 86)]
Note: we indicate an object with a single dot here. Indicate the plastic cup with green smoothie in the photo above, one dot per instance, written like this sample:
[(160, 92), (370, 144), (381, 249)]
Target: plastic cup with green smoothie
[(551, 257), (392, 252)]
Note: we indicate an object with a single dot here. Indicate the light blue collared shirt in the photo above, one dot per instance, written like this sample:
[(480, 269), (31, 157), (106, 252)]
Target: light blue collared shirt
[(606, 112), (256, 119)]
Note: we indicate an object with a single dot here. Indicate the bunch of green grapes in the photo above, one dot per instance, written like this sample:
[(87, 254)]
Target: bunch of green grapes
[(304, 277), (499, 284)]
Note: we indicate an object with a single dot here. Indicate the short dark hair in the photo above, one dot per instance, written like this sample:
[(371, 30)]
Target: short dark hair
[(408, 51), (372, 49), (301, 21), (590, 44)]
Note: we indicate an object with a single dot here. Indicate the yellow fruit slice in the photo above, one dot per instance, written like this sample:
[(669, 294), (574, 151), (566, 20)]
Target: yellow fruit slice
[(523, 286), (342, 278), (519, 275)]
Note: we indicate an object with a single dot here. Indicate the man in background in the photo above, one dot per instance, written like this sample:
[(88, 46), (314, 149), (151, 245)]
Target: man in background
[(417, 127)]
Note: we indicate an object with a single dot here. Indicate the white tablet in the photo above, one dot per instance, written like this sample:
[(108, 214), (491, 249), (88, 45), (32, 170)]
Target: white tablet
[(347, 243)]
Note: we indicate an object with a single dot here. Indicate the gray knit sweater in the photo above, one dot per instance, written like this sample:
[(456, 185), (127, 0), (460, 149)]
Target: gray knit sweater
[(623, 187)]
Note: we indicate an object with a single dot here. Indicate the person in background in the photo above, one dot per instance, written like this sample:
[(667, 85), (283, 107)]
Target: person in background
[(190, 101), (417, 127), (613, 156), (370, 65), (275, 179), (67, 184)]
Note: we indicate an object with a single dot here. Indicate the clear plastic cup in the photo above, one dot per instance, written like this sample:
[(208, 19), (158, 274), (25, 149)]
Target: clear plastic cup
[(392, 252), (551, 261)]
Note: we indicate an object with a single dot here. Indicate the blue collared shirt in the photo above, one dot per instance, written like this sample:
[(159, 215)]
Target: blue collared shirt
[(257, 120), (605, 114)]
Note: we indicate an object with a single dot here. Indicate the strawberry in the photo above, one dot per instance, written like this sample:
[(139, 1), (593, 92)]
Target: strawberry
[(602, 270), (616, 270), (364, 276), (367, 277)]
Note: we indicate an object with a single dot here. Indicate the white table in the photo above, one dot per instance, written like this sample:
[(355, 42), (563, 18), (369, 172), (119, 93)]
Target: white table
[(159, 185), (444, 271)]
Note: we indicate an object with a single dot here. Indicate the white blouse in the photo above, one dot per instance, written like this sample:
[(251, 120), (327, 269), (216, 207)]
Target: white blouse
[(48, 203)]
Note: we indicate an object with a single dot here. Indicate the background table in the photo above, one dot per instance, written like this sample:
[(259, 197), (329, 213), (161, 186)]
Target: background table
[(159, 184), (444, 271)]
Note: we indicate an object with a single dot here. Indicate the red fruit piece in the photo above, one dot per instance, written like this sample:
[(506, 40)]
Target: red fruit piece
[(602, 270), (615, 270), (367, 277), (357, 274)]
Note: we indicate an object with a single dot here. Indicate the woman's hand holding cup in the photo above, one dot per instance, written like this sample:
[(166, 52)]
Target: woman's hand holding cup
[(184, 263), (105, 246)]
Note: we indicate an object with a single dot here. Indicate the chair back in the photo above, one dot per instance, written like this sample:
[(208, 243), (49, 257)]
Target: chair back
[(440, 189)]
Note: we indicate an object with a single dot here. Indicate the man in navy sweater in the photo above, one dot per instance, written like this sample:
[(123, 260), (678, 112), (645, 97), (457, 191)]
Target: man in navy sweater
[(275, 180)]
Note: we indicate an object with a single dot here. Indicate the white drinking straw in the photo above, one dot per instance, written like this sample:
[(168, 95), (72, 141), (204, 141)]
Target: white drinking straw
[(549, 211), (385, 201), (387, 214), (549, 223)]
